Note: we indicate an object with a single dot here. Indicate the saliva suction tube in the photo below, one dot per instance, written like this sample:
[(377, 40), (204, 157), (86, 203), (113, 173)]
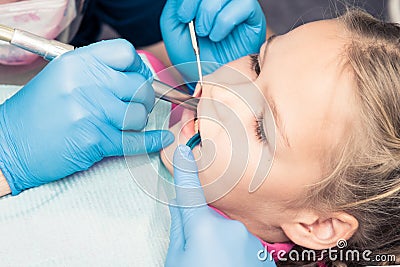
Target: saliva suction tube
[(194, 141)]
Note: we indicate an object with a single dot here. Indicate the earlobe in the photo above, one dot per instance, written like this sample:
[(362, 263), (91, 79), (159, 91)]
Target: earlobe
[(320, 232)]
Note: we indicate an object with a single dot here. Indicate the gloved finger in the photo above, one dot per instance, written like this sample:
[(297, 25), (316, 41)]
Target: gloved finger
[(118, 143), (136, 117), (189, 192), (206, 14), (176, 237), (126, 59), (233, 14), (140, 90), (134, 143), (121, 115), (172, 30), (187, 10), (129, 86)]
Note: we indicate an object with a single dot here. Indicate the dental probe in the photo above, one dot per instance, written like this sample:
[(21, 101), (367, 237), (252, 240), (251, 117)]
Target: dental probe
[(195, 46), (50, 49)]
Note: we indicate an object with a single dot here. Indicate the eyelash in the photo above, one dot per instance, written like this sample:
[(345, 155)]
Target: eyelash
[(259, 128), (255, 59), (259, 125), (255, 63)]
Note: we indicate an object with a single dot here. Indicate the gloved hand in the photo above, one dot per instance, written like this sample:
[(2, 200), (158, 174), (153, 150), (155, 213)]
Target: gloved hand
[(199, 236), (227, 30), (71, 115)]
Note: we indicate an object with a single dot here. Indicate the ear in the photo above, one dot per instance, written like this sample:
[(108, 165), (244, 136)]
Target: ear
[(317, 232)]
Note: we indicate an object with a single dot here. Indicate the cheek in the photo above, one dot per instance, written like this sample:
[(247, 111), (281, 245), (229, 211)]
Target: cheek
[(237, 198), (289, 179), (214, 153), (237, 162)]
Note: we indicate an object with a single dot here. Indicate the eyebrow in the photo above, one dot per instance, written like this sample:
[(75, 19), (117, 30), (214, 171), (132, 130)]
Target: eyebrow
[(272, 102), (269, 41)]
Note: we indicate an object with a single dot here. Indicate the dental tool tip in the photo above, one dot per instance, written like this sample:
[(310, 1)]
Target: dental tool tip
[(195, 46)]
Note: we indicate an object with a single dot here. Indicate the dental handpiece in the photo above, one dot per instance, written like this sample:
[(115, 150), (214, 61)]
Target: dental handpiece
[(50, 49)]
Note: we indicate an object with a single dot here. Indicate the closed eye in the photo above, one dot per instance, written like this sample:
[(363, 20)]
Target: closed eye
[(259, 129), (255, 63)]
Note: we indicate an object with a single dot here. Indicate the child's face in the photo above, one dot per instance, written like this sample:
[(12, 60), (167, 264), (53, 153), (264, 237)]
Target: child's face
[(303, 77)]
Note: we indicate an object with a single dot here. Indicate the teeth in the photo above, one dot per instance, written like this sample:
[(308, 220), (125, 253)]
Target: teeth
[(196, 125)]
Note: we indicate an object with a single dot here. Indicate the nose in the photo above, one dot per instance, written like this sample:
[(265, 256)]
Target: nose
[(228, 100), (229, 96), (224, 99)]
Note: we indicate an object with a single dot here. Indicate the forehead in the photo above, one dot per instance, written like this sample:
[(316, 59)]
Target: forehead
[(318, 45), (306, 75)]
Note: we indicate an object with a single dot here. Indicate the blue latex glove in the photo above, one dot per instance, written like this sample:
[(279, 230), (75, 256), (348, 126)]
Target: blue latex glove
[(228, 30), (71, 115), (200, 236)]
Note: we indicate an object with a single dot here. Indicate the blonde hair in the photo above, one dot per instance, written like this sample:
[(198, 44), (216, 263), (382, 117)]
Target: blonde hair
[(365, 181)]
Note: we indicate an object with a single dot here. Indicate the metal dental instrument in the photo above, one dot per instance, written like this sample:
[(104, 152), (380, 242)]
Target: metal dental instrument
[(195, 46), (50, 49)]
